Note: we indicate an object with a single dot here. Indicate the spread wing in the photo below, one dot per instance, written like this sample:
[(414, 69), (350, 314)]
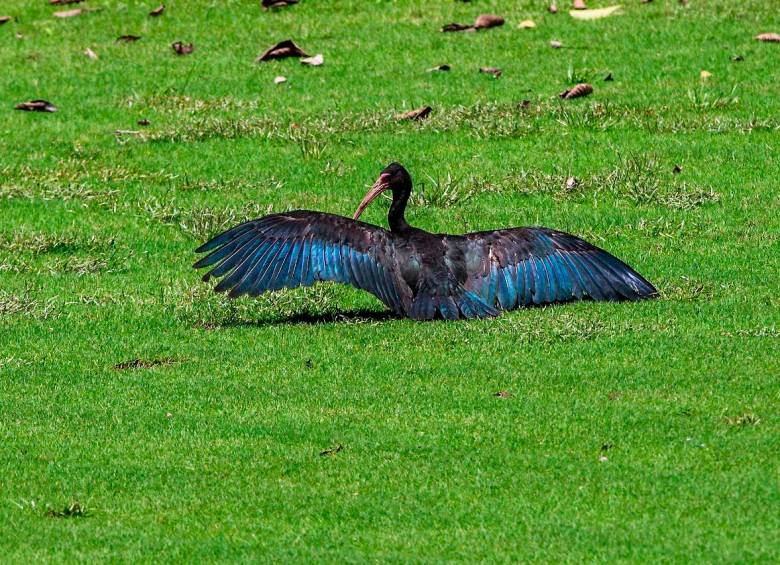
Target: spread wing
[(524, 266), (300, 248)]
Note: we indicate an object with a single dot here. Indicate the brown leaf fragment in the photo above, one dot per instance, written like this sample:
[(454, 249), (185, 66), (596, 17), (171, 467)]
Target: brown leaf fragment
[(553, 9), (457, 27), (5, 19), (277, 3), (280, 79), (579, 5), (577, 91), (495, 71), (68, 13), (527, 24), (503, 394), (61, 2), (36, 106), (332, 450), (555, 44), (769, 37), (90, 53), (158, 11), (145, 363), (143, 122), (282, 50), (181, 48), (127, 38), (485, 21), (444, 67), (315, 61), (416, 114)]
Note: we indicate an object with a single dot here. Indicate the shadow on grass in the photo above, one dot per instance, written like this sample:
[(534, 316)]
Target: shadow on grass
[(360, 316)]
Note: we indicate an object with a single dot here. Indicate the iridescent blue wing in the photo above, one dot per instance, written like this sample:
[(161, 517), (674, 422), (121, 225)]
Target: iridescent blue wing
[(524, 266), (300, 248)]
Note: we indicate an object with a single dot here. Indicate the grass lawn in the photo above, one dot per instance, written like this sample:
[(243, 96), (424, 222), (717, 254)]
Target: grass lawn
[(144, 417)]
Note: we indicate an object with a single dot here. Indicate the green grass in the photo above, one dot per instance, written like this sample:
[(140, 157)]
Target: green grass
[(141, 416)]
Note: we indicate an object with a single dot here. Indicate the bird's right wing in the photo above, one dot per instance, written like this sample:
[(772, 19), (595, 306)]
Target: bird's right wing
[(300, 248), (523, 266)]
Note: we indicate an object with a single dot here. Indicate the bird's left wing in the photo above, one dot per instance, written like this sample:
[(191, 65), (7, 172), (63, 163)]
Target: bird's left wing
[(302, 247)]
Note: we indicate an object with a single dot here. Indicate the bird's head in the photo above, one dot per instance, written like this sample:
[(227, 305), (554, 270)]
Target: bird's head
[(393, 177)]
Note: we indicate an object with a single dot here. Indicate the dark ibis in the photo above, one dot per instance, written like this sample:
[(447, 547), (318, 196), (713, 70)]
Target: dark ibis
[(415, 273)]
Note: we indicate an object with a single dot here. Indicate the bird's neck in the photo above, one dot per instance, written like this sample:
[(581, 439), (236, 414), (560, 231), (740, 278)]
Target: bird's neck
[(395, 216)]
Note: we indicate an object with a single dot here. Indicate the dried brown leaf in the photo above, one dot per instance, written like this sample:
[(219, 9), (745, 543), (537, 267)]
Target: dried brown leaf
[(555, 44), (769, 37), (503, 394), (181, 48), (158, 11), (68, 13), (332, 450), (277, 3), (280, 80), (282, 50), (495, 71), (62, 2), (527, 24), (90, 53), (36, 106), (553, 9), (416, 114), (579, 5), (457, 27), (577, 91), (485, 21), (127, 38), (315, 61), (5, 19)]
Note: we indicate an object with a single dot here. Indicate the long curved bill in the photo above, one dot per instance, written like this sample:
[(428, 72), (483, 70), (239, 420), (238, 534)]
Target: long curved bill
[(379, 186)]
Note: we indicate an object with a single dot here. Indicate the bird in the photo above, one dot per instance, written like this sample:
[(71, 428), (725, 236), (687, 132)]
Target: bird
[(415, 273)]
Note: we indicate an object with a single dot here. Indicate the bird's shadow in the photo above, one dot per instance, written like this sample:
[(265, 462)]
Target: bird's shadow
[(306, 319)]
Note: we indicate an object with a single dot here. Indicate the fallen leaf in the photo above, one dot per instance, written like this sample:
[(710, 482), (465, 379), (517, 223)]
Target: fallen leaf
[(182, 48), (579, 5), (485, 21), (555, 44), (315, 61), (90, 53), (444, 67), (503, 394), (68, 13), (457, 27), (495, 71), (277, 3), (603, 458), (594, 14), (417, 114), (5, 19), (553, 9), (704, 75), (280, 80), (127, 38), (158, 11), (281, 50), (36, 106), (577, 91), (143, 122), (770, 37), (168, 415), (60, 2), (144, 364), (332, 450), (526, 24), (608, 78)]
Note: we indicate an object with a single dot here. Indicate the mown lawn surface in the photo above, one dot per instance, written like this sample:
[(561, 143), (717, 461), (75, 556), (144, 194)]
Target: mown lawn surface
[(143, 417)]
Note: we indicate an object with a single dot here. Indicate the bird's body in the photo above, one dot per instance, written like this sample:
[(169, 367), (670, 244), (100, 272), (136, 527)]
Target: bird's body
[(417, 274)]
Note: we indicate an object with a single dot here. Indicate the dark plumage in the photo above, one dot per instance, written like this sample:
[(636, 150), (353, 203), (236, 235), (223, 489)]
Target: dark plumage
[(417, 274)]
